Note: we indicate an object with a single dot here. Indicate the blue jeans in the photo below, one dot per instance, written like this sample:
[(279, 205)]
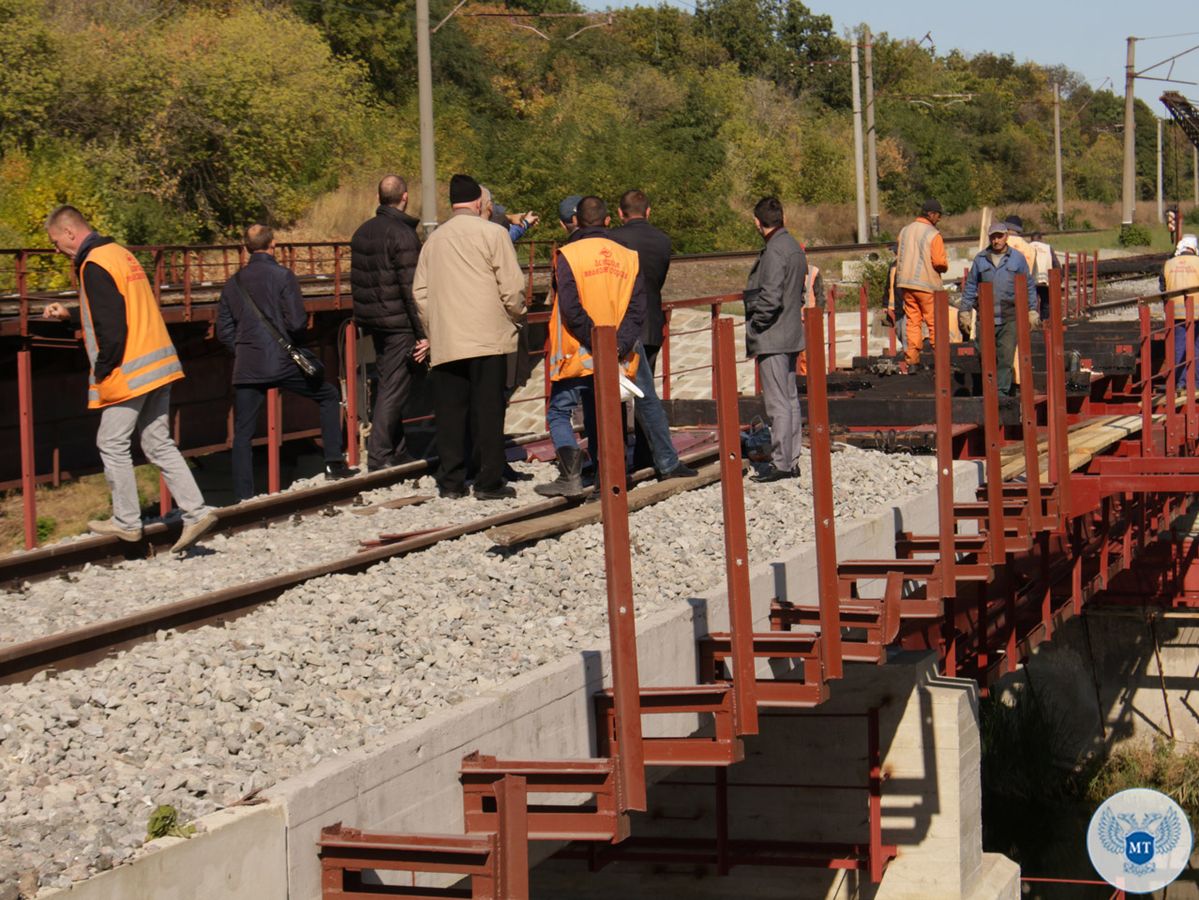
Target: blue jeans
[(651, 417), (565, 395), (1180, 354)]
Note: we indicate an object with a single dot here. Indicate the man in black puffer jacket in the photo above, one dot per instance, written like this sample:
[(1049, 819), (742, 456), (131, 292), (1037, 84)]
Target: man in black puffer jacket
[(384, 251)]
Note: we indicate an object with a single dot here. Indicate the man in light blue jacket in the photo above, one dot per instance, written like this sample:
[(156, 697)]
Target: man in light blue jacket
[(998, 265), (774, 334)]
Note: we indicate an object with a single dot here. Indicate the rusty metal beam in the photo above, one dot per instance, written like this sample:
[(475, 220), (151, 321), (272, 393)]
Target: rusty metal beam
[(736, 540), (618, 568), (822, 493)]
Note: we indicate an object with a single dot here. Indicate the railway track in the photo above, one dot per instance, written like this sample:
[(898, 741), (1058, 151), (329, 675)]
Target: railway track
[(85, 645)]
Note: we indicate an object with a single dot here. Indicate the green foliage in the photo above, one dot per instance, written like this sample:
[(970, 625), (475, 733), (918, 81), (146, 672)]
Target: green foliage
[(177, 122), (1160, 765), (45, 527), (164, 822), (874, 274), (1135, 235)]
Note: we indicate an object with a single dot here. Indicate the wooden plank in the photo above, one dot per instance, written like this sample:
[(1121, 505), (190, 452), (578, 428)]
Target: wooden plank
[(587, 514), (390, 504), (1085, 443)]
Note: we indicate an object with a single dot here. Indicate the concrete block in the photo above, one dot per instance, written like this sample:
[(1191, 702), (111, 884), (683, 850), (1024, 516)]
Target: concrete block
[(240, 855)]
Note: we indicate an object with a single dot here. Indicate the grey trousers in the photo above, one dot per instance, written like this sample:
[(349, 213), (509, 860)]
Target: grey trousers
[(781, 395), (148, 415)]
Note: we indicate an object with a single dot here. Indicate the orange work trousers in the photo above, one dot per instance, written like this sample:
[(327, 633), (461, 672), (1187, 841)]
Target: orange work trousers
[(918, 308)]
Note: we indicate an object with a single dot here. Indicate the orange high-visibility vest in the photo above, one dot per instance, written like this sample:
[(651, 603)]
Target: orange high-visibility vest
[(913, 263), (604, 273), (1181, 272), (150, 360)]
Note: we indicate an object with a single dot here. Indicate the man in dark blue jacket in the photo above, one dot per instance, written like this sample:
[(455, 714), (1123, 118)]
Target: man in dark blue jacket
[(999, 266), (653, 444), (260, 363), (383, 255)]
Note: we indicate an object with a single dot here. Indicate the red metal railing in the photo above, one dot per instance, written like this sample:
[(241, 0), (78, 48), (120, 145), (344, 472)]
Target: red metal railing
[(1116, 894)]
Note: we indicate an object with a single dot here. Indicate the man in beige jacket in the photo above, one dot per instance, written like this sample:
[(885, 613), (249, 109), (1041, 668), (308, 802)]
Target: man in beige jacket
[(469, 294)]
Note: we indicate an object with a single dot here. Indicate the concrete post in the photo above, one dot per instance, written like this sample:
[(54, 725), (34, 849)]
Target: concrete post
[(1057, 155), (424, 79), (858, 164), (1130, 160), (1161, 206), (871, 137)]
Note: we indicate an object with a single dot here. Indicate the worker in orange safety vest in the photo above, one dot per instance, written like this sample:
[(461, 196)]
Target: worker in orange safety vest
[(920, 262)]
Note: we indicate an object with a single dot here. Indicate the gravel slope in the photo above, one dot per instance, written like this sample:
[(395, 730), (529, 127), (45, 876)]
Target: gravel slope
[(198, 720)]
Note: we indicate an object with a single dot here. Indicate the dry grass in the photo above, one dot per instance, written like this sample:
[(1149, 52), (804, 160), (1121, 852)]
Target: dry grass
[(65, 510), (336, 215)]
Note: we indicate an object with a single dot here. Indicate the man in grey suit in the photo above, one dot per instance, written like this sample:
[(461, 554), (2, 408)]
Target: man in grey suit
[(774, 334)]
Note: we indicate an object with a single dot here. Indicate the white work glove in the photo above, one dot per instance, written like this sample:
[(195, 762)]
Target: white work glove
[(1034, 319)]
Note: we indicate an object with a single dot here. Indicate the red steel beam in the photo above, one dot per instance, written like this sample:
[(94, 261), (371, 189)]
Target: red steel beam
[(1056, 375), (28, 461), (1028, 410), (1171, 370), (1192, 413), (274, 425), (984, 328), (736, 540), (1146, 372), (512, 808), (945, 530), (618, 568), (822, 494)]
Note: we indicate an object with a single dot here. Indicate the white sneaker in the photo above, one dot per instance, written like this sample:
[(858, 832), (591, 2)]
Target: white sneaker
[(193, 532), (110, 527)]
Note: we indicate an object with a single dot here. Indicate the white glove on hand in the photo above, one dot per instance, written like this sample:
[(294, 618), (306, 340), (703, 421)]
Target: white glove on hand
[(1034, 319)]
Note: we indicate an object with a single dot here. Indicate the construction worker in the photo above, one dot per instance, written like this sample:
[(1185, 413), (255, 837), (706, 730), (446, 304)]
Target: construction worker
[(596, 282), (1015, 240), (1045, 262), (1180, 272), (999, 265), (919, 264), (133, 364)]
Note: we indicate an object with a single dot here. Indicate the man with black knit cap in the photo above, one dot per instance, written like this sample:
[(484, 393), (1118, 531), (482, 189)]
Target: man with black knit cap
[(469, 295), (383, 255)]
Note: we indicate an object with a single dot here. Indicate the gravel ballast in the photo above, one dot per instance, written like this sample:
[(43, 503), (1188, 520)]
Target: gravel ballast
[(198, 720)]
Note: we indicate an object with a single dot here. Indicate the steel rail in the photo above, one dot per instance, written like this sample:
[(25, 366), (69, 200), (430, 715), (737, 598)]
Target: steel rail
[(80, 647), (66, 556)]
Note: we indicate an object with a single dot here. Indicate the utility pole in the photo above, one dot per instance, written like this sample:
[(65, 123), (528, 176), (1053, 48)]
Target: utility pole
[(1161, 206), (424, 80), (1130, 161), (858, 165), (871, 145), (1057, 155)]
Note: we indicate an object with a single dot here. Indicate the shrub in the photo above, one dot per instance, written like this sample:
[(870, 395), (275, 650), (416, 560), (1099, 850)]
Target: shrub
[(45, 527), (874, 274), (1135, 235), (1191, 216)]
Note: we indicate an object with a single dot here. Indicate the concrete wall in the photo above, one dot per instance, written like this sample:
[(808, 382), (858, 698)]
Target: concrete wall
[(1101, 678), (239, 853), (409, 783)]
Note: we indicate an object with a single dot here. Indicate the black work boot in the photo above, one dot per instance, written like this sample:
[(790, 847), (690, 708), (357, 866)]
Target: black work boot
[(569, 483)]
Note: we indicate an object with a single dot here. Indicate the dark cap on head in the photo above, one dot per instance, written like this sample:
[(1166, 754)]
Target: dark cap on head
[(464, 189), (568, 207), (1015, 224), (931, 206)]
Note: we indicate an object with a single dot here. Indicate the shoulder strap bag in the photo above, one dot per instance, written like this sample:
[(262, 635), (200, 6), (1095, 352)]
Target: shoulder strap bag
[(306, 361)]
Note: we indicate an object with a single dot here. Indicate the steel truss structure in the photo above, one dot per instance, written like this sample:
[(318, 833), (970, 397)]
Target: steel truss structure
[(1077, 521)]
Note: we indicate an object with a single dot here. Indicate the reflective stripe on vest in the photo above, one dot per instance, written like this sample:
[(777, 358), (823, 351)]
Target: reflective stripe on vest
[(809, 288), (150, 359), (914, 265), (604, 274)]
